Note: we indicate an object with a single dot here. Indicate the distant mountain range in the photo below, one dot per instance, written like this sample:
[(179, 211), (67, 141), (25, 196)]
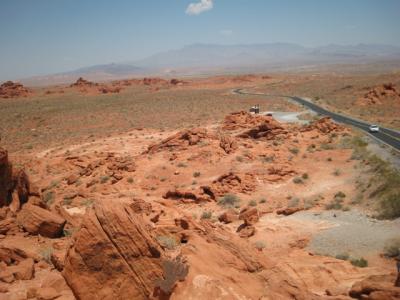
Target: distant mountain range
[(212, 58)]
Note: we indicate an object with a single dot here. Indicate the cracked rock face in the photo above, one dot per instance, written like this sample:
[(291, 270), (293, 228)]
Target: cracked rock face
[(114, 256)]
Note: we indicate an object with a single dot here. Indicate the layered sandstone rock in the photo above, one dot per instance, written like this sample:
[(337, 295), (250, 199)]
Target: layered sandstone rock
[(6, 182), (378, 287), (228, 144), (37, 220), (11, 89), (113, 256), (180, 140), (379, 94), (324, 125)]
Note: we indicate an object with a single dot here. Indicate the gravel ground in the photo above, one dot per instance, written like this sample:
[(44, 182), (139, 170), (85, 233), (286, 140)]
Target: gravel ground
[(352, 232)]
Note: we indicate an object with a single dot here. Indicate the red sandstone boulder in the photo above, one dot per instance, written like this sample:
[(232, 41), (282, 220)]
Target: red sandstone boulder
[(228, 216), (228, 144), (37, 220), (249, 215), (114, 256), (377, 287)]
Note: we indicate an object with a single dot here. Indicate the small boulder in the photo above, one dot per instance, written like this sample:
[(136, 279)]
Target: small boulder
[(37, 220), (249, 215), (228, 216)]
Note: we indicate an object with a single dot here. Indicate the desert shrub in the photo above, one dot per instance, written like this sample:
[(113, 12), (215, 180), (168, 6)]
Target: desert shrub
[(294, 151), (305, 176), (252, 203), (87, 202), (181, 165), (329, 159), (335, 205), (263, 200), (340, 194), (294, 202), (229, 200), (67, 201), (130, 180), (337, 172), (360, 262), (46, 253), (392, 248), (206, 215), (196, 174), (342, 256), (260, 245), (104, 179), (48, 197), (174, 270), (390, 207), (239, 158), (167, 242), (297, 180), (69, 232)]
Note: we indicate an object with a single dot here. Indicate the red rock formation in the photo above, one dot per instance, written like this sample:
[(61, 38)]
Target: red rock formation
[(37, 220), (324, 125), (180, 140), (11, 89), (83, 83), (249, 215), (228, 216), (229, 183), (114, 256), (379, 94), (6, 182), (228, 144), (378, 287), (243, 119), (267, 130)]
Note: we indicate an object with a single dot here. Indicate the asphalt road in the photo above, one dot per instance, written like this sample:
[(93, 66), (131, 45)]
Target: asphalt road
[(388, 136)]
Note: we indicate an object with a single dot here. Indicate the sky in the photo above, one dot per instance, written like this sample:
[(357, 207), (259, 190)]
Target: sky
[(39, 37)]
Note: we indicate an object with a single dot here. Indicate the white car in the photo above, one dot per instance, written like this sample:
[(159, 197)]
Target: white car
[(374, 128)]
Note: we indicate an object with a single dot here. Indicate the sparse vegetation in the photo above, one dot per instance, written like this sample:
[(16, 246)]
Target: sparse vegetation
[(167, 242), (360, 262), (196, 174), (298, 180), (392, 248), (46, 253), (263, 200), (229, 200), (104, 179), (206, 215), (294, 151), (48, 197), (260, 245), (252, 203), (174, 270), (342, 256)]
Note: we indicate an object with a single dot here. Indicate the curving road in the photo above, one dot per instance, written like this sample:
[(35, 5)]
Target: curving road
[(385, 135)]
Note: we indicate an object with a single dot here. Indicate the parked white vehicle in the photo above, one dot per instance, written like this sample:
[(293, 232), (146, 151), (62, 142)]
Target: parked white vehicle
[(374, 128)]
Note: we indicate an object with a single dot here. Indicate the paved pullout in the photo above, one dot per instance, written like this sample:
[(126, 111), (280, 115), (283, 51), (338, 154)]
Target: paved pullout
[(386, 135)]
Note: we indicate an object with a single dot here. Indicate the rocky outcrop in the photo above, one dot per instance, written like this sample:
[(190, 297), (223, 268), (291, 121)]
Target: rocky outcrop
[(267, 130), (378, 287), (244, 120), (379, 94), (11, 89), (324, 125), (228, 144), (114, 256), (37, 220), (230, 183), (83, 83), (6, 182), (181, 140), (186, 196)]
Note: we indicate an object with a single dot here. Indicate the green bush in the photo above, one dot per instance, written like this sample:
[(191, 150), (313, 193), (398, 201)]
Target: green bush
[(390, 206), (342, 256), (252, 203), (392, 248), (167, 242), (229, 200), (361, 262), (297, 180), (206, 215)]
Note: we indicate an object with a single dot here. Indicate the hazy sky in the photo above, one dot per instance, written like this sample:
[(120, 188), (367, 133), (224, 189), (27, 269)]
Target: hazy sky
[(46, 36)]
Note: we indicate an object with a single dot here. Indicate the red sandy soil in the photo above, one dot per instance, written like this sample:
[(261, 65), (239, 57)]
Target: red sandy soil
[(136, 216), (11, 89)]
